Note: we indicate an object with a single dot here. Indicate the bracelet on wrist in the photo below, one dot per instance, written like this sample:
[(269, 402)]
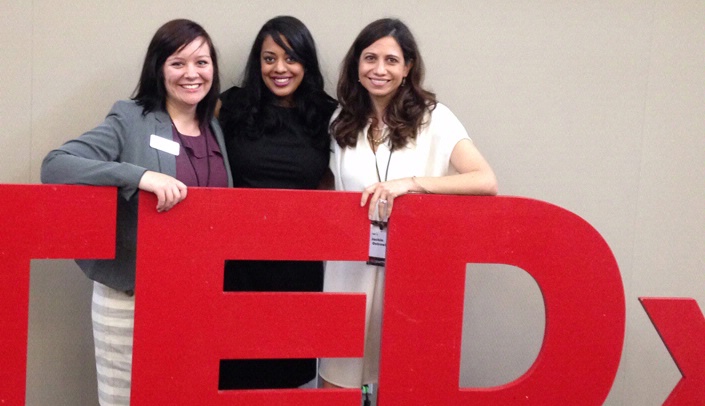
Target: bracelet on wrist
[(416, 182)]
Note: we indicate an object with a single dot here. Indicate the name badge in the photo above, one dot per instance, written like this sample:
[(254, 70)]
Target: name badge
[(378, 234), (163, 144), (378, 243)]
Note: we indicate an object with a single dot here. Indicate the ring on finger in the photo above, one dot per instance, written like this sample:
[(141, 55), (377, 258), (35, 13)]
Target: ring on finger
[(383, 201)]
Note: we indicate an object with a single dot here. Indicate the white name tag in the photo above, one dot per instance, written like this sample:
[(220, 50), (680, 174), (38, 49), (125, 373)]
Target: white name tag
[(378, 243), (162, 144)]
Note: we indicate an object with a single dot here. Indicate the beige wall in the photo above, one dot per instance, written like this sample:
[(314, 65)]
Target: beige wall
[(596, 106)]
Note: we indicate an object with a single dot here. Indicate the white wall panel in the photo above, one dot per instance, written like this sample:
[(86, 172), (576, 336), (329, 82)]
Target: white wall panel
[(16, 91)]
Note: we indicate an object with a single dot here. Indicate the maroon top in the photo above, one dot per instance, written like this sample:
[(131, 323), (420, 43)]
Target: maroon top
[(200, 162)]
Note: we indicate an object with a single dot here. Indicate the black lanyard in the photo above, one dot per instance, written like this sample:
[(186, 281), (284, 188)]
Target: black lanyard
[(386, 172)]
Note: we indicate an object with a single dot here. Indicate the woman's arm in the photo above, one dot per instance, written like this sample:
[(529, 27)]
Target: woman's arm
[(475, 177), (96, 158), (169, 190)]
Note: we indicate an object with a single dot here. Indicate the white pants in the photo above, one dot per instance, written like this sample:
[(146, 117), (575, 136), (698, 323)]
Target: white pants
[(113, 314)]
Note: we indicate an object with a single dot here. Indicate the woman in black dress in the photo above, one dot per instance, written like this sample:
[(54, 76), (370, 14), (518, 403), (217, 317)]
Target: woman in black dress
[(276, 136)]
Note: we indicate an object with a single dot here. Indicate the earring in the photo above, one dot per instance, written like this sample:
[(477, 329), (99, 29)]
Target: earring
[(403, 81)]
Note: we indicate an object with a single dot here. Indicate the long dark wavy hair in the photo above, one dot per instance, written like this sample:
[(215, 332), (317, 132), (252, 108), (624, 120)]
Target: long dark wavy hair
[(170, 38), (254, 114), (407, 109)]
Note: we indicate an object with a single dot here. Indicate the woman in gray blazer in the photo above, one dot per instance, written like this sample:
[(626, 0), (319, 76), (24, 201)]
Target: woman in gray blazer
[(162, 141)]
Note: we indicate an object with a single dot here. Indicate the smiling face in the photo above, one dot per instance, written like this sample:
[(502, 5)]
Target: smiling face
[(281, 73), (381, 69), (188, 75)]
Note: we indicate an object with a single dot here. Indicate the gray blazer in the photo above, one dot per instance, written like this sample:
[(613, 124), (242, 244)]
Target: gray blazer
[(117, 153)]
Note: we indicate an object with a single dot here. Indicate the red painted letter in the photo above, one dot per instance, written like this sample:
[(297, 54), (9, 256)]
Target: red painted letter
[(185, 323), (43, 221), (432, 238), (681, 325)]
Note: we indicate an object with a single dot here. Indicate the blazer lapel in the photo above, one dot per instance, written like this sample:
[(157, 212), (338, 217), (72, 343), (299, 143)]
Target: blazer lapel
[(167, 162)]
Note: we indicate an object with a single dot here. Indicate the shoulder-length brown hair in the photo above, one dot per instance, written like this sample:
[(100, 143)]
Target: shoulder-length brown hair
[(171, 37), (407, 109)]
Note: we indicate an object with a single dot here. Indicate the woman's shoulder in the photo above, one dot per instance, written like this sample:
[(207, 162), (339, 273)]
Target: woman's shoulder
[(128, 113), (133, 112), (319, 101), (126, 107), (441, 115), (330, 108), (443, 123), (439, 110)]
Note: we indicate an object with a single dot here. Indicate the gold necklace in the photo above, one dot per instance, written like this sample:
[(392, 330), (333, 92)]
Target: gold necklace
[(377, 141)]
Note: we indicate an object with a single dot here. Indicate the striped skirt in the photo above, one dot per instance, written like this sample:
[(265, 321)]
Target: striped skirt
[(113, 314)]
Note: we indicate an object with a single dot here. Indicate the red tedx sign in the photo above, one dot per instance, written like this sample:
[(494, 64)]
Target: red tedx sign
[(181, 307), (185, 323)]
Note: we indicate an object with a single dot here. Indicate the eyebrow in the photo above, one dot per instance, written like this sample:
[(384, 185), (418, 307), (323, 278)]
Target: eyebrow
[(201, 54), (385, 56), (181, 58)]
